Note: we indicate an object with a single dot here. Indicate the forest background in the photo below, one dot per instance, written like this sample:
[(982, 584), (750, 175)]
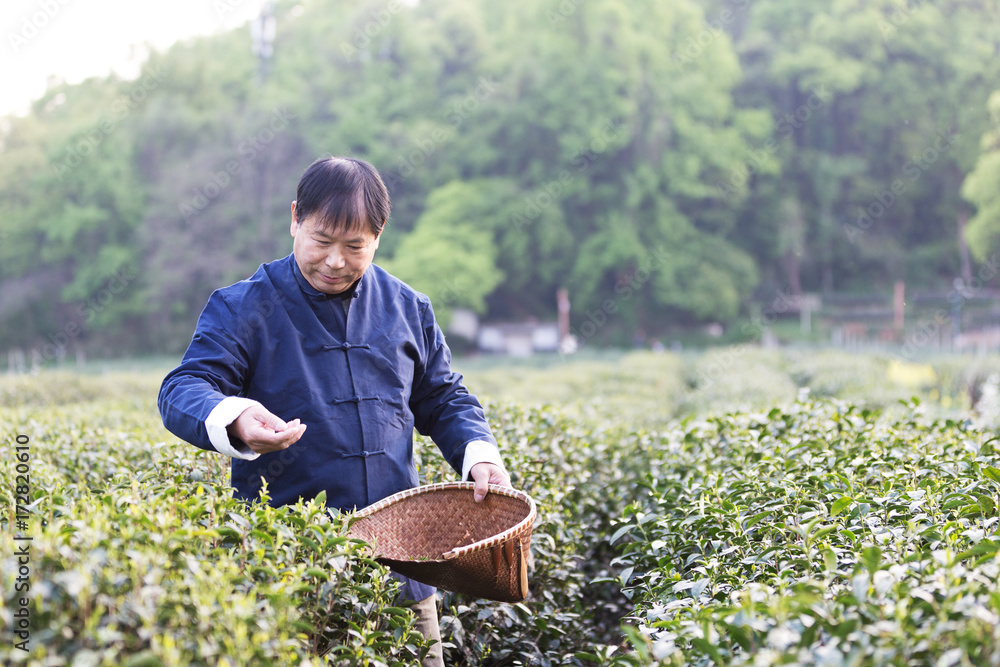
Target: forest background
[(666, 162)]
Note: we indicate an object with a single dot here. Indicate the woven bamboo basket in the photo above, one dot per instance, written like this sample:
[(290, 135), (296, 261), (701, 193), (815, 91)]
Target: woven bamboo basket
[(438, 535)]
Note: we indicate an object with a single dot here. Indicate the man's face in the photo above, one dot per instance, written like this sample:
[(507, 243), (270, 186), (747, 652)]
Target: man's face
[(331, 261)]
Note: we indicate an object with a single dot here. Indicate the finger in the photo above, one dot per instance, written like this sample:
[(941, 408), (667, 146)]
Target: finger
[(289, 427), (296, 434), (482, 485), (498, 477), (272, 421), (493, 473), (266, 438), (289, 436), (482, 488), (263, 440)]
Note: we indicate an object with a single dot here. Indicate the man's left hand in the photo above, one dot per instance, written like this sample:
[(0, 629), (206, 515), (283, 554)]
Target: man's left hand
[(484, 474)]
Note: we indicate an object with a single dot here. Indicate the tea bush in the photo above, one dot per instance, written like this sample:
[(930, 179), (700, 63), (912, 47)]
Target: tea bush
[(840, 374), (63, 387), (818, 534), (640, 387), (672, 494), (139, 555), (737, 378)]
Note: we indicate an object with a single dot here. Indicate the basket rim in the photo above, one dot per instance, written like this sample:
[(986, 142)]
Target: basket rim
[(499, 538)]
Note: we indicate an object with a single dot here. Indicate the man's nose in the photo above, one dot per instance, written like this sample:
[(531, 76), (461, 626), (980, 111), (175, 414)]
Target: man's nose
[(335, 258)]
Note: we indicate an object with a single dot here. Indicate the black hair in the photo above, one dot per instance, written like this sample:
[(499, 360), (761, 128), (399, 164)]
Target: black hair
[(344, 194)]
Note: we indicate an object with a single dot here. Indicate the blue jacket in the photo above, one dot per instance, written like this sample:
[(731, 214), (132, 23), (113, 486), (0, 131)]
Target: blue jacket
[(359, 380)]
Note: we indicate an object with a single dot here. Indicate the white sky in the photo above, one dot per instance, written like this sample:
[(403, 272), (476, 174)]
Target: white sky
[(77, 39)]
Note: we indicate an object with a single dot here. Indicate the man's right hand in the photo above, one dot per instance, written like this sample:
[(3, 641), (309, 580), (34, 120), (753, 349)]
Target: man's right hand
[(265, 432)]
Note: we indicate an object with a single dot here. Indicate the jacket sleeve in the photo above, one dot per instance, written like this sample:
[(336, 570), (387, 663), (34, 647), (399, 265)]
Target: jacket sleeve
[(442, 407), (214, 367)]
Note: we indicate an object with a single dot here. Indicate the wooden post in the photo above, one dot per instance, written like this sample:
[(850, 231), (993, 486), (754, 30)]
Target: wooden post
[(899, 306), (562, 301)]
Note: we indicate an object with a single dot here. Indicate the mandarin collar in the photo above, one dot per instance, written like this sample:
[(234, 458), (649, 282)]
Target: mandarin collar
[(312, 292)]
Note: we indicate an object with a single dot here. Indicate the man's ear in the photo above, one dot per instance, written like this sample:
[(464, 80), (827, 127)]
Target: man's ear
[(295, 223)]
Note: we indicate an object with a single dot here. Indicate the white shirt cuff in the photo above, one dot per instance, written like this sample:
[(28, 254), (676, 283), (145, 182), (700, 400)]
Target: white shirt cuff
[(221, 416), (480, 451)]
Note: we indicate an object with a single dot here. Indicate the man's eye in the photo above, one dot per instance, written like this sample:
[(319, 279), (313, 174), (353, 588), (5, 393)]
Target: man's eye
[(322, 243), (356, 247)]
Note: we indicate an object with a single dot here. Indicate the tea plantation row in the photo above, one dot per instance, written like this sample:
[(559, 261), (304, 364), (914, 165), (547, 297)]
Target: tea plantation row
[(816, 533), (821, 534)]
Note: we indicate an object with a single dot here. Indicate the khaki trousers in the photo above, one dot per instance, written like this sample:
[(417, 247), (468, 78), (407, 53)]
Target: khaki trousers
[(428, 625)]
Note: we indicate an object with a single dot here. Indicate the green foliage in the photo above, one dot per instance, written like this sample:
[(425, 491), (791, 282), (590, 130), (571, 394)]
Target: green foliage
[(739, 378), (871, 154), (641, 388), (672, 496), (527, 147), (450, 254), (650, 390), (813, 534), (139, 554), (982, 188), (658, 159)]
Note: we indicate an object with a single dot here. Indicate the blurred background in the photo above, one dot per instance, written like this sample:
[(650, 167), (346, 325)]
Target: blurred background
[(574, 174)]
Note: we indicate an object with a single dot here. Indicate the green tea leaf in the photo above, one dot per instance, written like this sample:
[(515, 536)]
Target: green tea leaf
[(840, 505)]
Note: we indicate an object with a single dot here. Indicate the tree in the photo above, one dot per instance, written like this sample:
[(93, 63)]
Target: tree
[(450, 254), (982, 189), (872, 126), (661, 160)]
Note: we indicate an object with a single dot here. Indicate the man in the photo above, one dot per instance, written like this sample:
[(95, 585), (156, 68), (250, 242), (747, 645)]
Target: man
[(312, 373)]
